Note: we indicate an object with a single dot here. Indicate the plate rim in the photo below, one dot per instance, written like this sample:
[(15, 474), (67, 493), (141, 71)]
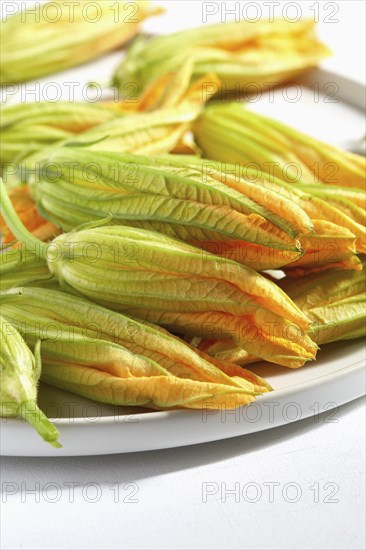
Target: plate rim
[(156, 415)]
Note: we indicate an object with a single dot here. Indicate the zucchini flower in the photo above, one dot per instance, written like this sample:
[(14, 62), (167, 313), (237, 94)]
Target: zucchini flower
[(19, 374), (240, 53), (21, 267), (59, 36), (336, 236), (335, 301), (162, 280), (231, 133), (350, 201), (332, 247), (28, 130), (162, 127), (111, 358), (224, 350), (26, 209), (254, 226)]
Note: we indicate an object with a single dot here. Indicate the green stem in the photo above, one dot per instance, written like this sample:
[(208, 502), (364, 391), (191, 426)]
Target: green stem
[(30, 412), (20, 231)]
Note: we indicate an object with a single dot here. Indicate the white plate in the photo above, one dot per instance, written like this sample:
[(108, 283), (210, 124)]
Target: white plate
[(338, 375)]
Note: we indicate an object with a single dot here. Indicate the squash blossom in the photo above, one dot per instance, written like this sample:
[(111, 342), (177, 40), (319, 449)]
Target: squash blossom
[(331, 248), (337, 236), (240, 53), (21, 267), (232, 133), (26, 128), (19, 374), (159, 130), (252, 225), (115, 359), (59, 36), (335, 301), (26, 209), (29, 130), (163, 280), (351, 201), (224, 350)]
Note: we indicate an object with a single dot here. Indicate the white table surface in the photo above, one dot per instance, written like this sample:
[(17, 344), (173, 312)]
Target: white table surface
[(299, 486), (180, 493)]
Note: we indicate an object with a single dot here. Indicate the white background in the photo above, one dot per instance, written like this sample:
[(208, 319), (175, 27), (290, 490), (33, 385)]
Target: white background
[(319, 466)]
